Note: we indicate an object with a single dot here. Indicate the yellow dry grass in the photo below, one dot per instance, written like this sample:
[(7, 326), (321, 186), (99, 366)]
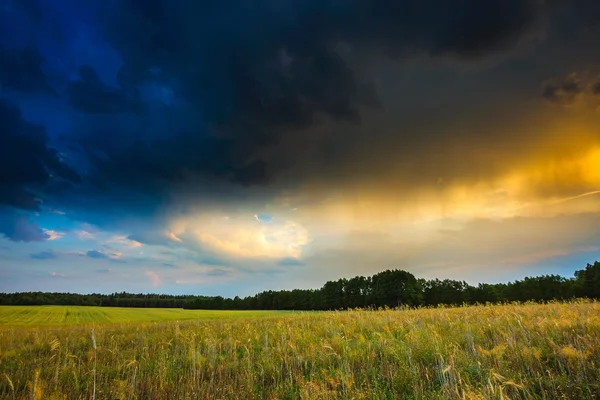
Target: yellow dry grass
[(515, 351)]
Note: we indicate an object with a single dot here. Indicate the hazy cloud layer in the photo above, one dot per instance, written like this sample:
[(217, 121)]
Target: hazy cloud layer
[(44, 255)]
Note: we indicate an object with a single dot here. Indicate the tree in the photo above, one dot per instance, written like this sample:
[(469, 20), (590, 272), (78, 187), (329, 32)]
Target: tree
[(445, 292), (588, 281), (357, 291), (394, 288), (388, 288), (333, 295)]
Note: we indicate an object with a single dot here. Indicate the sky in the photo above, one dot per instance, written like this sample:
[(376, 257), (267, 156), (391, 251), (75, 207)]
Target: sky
[(229, 147)]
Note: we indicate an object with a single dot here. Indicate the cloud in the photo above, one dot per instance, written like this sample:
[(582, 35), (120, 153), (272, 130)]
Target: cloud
[(26, 159), (174, 237), (83, 235), (506, 248), (252, 92), (21, 70), (154, 278), (44, 255), (242, 237), (291, 262), (220, 116), (218, 272), (564, 91), (96, 254), (52, 235), (263, 217), (113, 256), (577, 87), (89, 95), (75, 253), (122, 240), (175, 129), (481, 250), (206, 275), (595, 88), (19, 228)]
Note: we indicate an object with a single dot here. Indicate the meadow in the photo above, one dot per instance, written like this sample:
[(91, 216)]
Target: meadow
[(69, 315), (529, 351)]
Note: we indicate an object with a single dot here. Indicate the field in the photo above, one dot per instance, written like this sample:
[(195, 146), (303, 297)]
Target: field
[(63, 315), (528, 351)]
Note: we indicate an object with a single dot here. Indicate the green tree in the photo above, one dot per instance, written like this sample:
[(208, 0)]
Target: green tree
[(395, 288), (588, 281)]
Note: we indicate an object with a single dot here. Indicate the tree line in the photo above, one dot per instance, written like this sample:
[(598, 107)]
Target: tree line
[(389, 288)]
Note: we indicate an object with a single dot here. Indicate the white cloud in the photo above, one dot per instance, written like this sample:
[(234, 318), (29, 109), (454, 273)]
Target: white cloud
[(123, 240), (242, 237), (52, 235), (174, 237)]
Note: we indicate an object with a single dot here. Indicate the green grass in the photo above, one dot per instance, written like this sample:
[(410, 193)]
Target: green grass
[(527, 351), (69, 315)]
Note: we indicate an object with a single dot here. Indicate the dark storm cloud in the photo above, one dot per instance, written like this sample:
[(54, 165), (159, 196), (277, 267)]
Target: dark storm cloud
[(564, 91), (20, 69), (207, 88), (26, 159), (595, 88), (89, 95), (570, 88), (254, 73)]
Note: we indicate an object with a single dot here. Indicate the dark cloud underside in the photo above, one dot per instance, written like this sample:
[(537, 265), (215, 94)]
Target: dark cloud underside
[(26, 160), (259, 72), (215, 92)]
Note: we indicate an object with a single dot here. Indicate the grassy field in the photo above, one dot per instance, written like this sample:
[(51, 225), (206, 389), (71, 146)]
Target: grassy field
[(489, 352), (69, 315)]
